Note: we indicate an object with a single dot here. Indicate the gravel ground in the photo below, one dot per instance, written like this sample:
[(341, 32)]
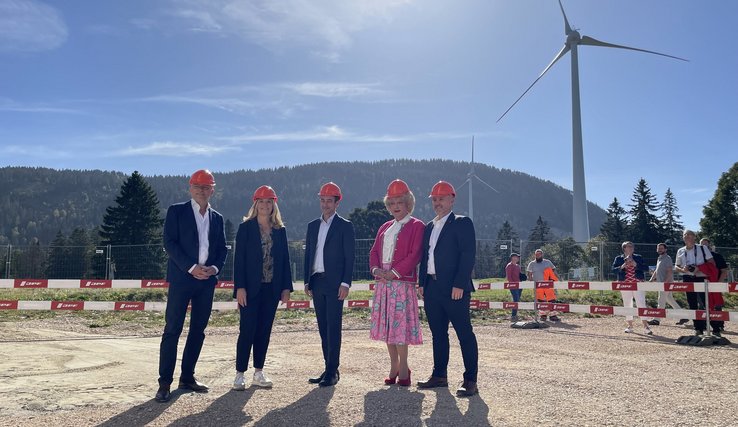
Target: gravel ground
[(582, 371)]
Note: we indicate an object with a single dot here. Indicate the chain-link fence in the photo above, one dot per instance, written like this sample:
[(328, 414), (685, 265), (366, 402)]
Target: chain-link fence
[(574, 261)]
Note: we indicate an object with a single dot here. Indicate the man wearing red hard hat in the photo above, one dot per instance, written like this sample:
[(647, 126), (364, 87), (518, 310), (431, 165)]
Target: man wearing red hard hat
[(194, 239), (329, 267), (449, 251)]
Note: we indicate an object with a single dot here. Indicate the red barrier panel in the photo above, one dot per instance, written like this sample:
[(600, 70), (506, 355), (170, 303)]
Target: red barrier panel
[(95, 284), (154, 284), (624, 286), (67, 305), (679, 287), (358, 303), (31, 283), (511, 285), (8, 305), (224, 284), (298, 304), (652, 312), (579, 285), (601, 309), (129, 305), (483, 286), (714, 315), (544, 285)]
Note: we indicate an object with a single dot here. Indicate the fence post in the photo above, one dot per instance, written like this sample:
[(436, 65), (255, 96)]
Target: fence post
[(7, 262), (107, 262), (707, 308)]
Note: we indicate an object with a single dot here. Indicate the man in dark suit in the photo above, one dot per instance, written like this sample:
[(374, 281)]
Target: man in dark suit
[(449, 249), (329, 267), (194, 239)]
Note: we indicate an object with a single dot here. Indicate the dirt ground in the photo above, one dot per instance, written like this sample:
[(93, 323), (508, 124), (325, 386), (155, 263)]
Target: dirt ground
[(580, 372)]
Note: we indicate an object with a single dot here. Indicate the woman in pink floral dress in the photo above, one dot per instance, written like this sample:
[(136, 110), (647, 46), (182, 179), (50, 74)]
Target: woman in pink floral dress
[(393, 261)]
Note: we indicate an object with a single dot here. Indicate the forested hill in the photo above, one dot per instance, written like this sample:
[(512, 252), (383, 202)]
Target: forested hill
[(38, 202)]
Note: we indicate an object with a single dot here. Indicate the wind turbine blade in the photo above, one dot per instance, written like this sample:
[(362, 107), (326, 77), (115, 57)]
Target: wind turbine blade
[(567, 27), (461, 186), (558, 56), (589, 41), (482, 181)]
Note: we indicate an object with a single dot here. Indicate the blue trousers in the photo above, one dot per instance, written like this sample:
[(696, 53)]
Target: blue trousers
[(516, 298), (179, 296), (329, 313), (255, 328), (441, 310)]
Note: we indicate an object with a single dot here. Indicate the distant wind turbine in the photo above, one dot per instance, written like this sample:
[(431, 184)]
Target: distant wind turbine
[(470, 180), (573, 39)]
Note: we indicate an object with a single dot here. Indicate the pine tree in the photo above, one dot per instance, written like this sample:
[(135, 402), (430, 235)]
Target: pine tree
[(135, 220), (613, 230), (671, 227), (80, 252), (720, 221), (507, 236), (58, 258), (539, 236), (644, 226)]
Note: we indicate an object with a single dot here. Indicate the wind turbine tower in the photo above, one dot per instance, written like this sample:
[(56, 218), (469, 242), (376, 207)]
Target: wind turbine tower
[(580, 216), (470, 180)]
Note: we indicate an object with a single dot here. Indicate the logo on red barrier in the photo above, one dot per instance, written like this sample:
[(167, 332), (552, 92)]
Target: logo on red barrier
[(544, 285), (372, 286), (224, 284), (579, 285), (67, 305), (483, 286), (509, 305), (601, 309), (544, 306), (652, 312), (679, 287), (564, 308), (129, 305), (483, 305), (358, 303), (733, 287), (624, 286), (93, 284), (715, 315), (32, 283), (154, 284), (474, 304), (512, 285), (8, 305), (298, 304)]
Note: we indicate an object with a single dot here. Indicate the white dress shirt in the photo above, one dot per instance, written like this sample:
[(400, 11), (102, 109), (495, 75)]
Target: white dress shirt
[(437, 227), (203, 232), (319, 264), (390, 238)]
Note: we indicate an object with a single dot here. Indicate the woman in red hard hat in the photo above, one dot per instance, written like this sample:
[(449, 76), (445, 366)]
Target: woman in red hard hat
[(393, 261), (262, 277)]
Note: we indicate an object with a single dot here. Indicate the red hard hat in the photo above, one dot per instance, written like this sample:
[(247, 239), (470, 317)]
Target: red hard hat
[(397, 188), (330, 189), (202, 177), (265, 192), (442, 188)]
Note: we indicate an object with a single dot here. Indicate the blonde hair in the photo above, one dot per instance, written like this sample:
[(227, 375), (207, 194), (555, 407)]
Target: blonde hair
[(275, 218), (407, 198), (626, 243)]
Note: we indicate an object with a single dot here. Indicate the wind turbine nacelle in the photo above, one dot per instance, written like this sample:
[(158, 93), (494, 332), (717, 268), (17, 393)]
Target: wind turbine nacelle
[(573, 37)]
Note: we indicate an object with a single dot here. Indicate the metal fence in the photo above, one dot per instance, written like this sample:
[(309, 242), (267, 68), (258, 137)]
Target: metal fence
[(574, 261)]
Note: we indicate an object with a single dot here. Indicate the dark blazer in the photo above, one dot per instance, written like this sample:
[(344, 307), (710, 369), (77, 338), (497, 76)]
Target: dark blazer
[(182, 243), (338, 251), (640, 268), (249, 260), (454, 254)]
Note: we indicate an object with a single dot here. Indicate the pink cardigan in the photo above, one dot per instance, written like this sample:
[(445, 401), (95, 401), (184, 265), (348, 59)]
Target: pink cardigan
[(408, 250)]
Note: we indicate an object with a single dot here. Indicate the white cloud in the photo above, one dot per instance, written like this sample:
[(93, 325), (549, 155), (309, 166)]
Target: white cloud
[(336, 90), (30, 26), (174, 149), (7, 104), (37, 151), (336, 133), (325, 26)]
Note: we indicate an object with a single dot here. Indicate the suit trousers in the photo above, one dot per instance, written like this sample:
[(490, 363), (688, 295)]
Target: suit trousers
[(441, 310), (329, 313), (255, 328), (179, 296)]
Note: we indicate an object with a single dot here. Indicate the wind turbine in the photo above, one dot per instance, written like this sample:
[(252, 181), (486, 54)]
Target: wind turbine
[(574, 39), (470, 180)]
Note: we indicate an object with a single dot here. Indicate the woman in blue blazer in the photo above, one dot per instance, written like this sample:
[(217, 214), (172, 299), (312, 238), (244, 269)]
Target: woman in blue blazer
[(262, 277)]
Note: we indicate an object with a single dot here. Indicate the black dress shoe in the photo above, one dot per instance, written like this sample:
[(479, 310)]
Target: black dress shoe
[(193, 385), (163, 394), (317, 380), (433, 382), (329, 380), (468, 388)]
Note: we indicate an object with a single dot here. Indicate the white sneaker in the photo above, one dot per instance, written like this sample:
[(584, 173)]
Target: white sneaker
[(628, 330), (239, 383), (261, 380)]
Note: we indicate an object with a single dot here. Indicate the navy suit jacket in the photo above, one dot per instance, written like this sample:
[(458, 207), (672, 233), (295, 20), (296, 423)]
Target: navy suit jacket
[(249, 260), (182, 243), (338, 251), (454, 255)]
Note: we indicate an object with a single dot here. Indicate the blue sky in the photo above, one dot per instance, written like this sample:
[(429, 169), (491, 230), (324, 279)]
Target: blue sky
[(171, 86)]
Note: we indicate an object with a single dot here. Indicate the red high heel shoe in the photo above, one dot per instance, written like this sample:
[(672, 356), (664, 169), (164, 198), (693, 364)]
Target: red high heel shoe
[(406, 381), (391, 380)]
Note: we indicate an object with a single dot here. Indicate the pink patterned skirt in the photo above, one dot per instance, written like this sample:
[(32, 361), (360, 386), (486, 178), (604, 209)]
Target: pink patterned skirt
[(395, 313)]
